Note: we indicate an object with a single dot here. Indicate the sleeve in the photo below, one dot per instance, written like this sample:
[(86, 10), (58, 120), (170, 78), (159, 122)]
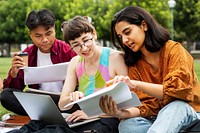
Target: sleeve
[(180, 78), (17, 83), (68, 54), (150, 105)]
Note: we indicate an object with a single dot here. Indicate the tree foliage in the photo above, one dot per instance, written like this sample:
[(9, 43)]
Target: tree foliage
[(12, 21), (13, 14), (187, 20)]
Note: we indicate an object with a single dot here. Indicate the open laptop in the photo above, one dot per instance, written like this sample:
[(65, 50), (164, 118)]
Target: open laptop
[(42, 107)]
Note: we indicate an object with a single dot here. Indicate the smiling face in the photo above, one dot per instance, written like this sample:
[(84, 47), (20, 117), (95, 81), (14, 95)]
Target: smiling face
[(43, 38), (131, 35), (83, 45)]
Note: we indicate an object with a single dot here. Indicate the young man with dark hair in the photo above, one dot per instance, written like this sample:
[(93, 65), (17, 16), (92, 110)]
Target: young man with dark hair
[(46, 50)]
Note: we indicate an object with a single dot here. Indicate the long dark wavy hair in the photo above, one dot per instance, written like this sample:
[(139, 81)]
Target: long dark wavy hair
[(155, 37)]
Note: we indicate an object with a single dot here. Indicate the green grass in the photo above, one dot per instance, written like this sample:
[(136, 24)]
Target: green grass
[(197, 68), (5, 64)]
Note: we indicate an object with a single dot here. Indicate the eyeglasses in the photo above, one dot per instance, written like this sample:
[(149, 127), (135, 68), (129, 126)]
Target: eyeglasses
[(78, 47)]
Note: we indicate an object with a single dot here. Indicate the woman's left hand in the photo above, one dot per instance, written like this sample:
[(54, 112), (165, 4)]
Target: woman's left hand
[(109, 106), (76, 116)]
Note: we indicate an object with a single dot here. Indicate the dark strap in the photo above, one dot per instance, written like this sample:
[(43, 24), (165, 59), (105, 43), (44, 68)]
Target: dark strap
[(36, 126)]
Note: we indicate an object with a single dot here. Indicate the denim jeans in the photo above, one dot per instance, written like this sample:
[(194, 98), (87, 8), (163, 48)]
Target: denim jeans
[(170, 119)]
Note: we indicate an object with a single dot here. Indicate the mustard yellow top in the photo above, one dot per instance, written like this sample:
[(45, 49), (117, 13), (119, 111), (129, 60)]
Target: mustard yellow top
[(176, 74)]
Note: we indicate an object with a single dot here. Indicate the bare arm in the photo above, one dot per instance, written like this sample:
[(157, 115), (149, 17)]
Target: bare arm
[(1, 84), (117, 65), (69, 85), (120, 68), (155, 90)]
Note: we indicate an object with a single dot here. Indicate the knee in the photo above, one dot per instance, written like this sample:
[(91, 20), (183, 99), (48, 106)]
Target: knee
[(181, 105), (134, 125), (6, 94), (179, 102), (126, 126)]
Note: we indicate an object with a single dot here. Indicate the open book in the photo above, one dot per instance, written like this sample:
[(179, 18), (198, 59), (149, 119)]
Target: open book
[(120, 92)]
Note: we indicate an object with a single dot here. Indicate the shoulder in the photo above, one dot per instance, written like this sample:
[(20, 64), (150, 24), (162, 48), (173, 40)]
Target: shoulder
[(115, 54), (174, 48), (116, 57), (75, 60), (61, 43), (62, 47), (172, 45), (117, 63), (30, 49)]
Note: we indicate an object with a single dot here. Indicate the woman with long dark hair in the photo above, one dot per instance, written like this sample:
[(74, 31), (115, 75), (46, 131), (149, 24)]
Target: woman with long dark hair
[(161, 72)]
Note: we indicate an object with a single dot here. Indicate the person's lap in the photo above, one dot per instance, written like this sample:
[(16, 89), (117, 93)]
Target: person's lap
[(104, 125), (10, 102), (172, 118)]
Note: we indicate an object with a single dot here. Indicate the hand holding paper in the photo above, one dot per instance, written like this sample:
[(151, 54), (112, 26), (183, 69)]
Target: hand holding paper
[(120, 92)]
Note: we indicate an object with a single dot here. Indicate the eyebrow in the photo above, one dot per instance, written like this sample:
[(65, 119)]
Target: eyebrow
[(49, 31), (81, 39), (125, 29)]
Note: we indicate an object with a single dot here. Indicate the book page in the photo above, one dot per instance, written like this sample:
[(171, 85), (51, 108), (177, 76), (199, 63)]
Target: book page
[(42, 74), (120, 92), (133, 102)]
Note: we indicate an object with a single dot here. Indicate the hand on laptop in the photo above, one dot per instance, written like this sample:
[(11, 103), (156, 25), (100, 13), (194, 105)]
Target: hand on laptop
[(76, 116)]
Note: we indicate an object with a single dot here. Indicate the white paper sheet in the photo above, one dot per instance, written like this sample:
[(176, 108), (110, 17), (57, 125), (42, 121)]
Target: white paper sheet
[(120, 92), (42, 74)]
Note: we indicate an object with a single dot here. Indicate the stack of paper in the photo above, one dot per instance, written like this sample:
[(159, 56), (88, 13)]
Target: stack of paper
[(42, 74)]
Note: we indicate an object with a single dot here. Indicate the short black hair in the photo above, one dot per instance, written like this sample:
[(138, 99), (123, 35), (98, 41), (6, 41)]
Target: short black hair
[(43, 17)]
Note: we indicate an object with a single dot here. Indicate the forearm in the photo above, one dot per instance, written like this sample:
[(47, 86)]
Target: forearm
[(13, 74), (155, 90), (17, 83), (64, 100), (1, 84), (129, 113)]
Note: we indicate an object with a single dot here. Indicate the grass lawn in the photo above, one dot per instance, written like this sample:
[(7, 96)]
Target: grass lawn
[(5, 64), (197, 68)]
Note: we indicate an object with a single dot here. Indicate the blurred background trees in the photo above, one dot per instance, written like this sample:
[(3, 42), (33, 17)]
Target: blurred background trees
[(13, 14)]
